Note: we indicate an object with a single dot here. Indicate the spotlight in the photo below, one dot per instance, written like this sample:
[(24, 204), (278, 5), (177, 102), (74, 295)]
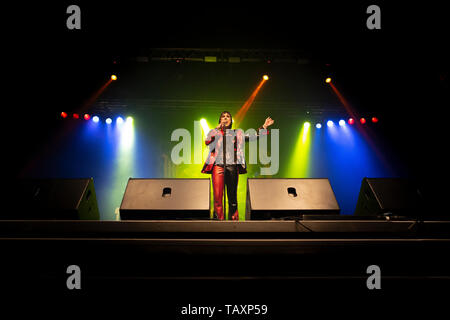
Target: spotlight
[(330, 123), (351, 121), (341, 123), (129, 120), (86, 116), (318, 126), (362, 120), (374, 119), (119, 120), (113, 77), (306, 124), (95, 119), (266, 77), (64, 114), (328, 80), (76, 116), (108, 120)]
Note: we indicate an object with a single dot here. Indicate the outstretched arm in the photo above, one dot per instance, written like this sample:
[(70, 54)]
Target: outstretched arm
[(269, 121)]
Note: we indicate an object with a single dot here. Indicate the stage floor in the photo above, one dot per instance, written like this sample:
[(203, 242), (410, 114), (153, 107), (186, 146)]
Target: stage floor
[(175, 263), (350, 227)]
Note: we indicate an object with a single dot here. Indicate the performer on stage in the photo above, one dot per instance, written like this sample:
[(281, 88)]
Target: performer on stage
[(227, 169)]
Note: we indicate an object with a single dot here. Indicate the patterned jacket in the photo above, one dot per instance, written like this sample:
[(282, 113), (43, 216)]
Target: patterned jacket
[(214, 140)]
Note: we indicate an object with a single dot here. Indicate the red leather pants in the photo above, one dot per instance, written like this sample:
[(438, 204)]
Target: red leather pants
[(230, 176)]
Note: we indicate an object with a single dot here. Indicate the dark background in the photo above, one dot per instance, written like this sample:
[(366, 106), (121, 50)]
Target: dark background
[(400, 71)]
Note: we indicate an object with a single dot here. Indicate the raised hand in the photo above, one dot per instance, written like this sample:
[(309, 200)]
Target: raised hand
[(269, 121)]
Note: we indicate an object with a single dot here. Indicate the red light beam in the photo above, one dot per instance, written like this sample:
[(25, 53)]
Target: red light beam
[(344, 101), (368, 136), (243, 110)]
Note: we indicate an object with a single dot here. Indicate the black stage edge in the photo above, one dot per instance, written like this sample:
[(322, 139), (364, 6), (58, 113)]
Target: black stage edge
[(293, 267)]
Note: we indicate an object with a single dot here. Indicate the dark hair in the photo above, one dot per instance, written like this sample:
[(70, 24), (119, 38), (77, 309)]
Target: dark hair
[(231, 123)]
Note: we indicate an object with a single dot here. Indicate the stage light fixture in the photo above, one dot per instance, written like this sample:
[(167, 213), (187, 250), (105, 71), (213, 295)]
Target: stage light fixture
[(265, 77), (64, 114), (341, 123), (108, 120), (95, 119), (305, 131), (328, 80), (129, 120), (351, 121), (210, 59), (318, 126), (113, 77), (330, 123), (119, 120), (363, 120), (86, 116), (76, 116), (374, 119)]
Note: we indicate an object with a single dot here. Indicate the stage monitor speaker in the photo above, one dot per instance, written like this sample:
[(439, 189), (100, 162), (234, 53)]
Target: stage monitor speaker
[(166, 199), (289, 198), (388, 196), (52, 199)]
